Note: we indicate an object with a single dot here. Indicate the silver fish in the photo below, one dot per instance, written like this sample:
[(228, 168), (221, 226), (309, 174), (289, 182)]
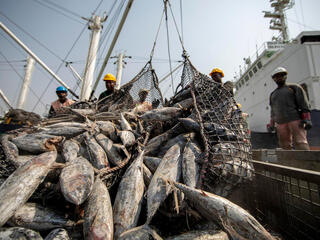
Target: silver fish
[(36, 217), (190, 124), (152, 163), (147, 175), (70, 150), (125, 126), (68, 124), (107, 128), (22, 159), (190, 168), (10, 149), (127, 205), (161, 114), (58, 234), (234, 219), (98, 220), (76, 181), (201, 235), (19, 233), (67, 132), (36, 143), (21, 184), (98, 156), (143, 232), (127, 138), (181, 139), (109, 147), (84, 112), (186, 103), (169, 168)]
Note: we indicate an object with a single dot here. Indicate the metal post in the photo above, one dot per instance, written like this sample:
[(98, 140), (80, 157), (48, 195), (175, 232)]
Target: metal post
[(17, 40), (74, 72), (125, 14), (119, 70), (26, 82), (5, 99), (95, 26)]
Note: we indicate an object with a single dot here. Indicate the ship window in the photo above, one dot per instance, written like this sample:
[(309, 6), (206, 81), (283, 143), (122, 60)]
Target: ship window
[(267, 107), (242, 81), (259, 64), (251, 114), (265, 84), (255, 69), (250, 73), (247, 78), (253, 93), (315, 38), (244, 99)]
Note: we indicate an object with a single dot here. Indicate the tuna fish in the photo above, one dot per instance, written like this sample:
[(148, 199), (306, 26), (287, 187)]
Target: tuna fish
[(201, 235), (70, 150), (234, 219), (190, 124), (58, 234), (19, 233), (127, 138), (98, 220), (76, 181), (21, 184), (143, 232), (125, 126), (10, 149), (112, 151), (186, 103), (182, 139), (190, 168), (152, 163), (107, 128), (67, 124), (147, 175), (36, 217), (169, 168), (67, 132), (22, 159), (97, 155), (36, 143), (161, 114), (127, 205)]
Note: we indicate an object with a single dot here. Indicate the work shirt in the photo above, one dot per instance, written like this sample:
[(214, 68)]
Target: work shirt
[(57, 107), (288, 102), (105, 94)]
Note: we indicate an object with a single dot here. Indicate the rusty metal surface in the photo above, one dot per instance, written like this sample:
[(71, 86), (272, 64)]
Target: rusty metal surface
[(287, 199)]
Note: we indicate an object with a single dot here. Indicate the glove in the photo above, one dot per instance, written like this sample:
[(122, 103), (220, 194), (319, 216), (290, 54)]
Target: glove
[(306, 121), (270, 126)]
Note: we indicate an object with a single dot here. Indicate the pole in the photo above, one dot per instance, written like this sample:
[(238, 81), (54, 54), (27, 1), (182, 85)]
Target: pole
[(74, 72), (119, 70), (26, 82), (17, 40), (124, 17), (95, 26), (5, 99)]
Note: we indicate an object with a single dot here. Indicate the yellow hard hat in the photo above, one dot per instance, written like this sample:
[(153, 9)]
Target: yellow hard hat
[(109, 77), (218, 70)]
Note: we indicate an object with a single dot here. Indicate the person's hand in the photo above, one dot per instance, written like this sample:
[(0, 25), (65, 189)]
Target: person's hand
[(270, 126), (306, 124)]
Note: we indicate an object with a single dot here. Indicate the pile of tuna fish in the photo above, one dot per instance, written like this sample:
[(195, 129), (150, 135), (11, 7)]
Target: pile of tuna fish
[(133, 176)]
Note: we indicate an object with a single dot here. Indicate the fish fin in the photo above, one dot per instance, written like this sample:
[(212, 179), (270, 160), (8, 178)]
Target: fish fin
[(204, 193)]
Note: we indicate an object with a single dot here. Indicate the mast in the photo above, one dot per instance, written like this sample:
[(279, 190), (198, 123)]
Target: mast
[(278, 18), (123, 19), (17, 40), (95, 26), (5, 99), (120, 64), (26, 82)]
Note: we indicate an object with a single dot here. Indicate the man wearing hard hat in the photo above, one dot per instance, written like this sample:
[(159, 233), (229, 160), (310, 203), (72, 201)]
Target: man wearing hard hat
[(217, 75), (110, 82), (58, 106), (290, 112)]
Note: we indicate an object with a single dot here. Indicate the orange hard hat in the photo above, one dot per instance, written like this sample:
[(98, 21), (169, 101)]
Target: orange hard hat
[(217, 70)]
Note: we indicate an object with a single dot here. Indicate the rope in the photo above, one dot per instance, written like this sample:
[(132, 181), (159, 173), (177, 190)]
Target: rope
[(63, 8), (155, 41), (168, 40), (181, 20), (175, 23)]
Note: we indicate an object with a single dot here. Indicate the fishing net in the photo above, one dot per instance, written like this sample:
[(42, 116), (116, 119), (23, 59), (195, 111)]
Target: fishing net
[(145, 82), (227, 160)]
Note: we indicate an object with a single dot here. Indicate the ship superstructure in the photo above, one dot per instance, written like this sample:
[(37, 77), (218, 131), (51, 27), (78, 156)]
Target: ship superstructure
[(301, 57)]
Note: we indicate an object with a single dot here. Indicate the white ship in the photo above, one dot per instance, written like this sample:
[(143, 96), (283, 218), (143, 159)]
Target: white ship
[(300, 56)]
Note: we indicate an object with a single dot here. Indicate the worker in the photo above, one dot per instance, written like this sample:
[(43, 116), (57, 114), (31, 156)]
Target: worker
[(217, 75), (110, 81), (290, 112), (142, 105), (58, 106)]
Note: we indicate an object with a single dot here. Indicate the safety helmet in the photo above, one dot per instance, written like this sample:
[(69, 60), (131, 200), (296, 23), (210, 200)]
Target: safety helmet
[(61, 89), (109, 77), (218, 70), (279, 70)]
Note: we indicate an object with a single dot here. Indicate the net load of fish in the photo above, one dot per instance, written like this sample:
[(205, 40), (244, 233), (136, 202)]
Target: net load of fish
[(116, 172)]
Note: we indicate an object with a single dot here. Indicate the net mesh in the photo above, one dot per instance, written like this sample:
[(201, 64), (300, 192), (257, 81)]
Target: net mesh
[(128, 95), (224, 131)]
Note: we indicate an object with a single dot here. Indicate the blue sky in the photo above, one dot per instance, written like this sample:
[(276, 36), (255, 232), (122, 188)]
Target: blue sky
[(215, 33)]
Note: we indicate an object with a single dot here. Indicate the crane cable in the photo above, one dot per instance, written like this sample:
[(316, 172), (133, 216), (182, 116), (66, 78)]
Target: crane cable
[(156, 38)]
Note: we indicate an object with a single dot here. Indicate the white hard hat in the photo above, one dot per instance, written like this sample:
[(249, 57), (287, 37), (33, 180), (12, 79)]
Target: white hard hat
[(279, 70)]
